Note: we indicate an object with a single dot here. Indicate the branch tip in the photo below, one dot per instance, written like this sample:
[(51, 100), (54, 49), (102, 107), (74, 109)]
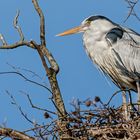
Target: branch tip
[(17, 27), (3, 40)]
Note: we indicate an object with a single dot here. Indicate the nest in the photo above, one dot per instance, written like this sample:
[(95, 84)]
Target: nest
[(100, 122)]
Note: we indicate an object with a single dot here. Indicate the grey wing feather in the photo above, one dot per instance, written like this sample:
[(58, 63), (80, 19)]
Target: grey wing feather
[(127, 53), (114, 34)]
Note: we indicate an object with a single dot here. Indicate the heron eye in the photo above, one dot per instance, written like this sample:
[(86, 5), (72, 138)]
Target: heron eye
[(87, 22)]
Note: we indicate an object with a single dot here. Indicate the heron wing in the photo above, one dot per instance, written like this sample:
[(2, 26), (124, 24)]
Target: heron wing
[(126, 51)]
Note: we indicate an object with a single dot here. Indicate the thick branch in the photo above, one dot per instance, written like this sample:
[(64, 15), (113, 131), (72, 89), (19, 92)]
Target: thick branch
[(54, 85), (8, 132), (45, 51), (51, 72)]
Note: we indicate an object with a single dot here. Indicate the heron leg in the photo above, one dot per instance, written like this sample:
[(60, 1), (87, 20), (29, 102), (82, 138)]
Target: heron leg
[(124, 99), (138, 100), (130, 107)]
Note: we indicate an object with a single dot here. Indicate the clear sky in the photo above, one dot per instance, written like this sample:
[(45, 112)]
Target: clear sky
[(78, 77)]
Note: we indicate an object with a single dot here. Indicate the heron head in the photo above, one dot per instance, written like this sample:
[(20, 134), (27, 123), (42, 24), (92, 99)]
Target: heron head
[(83, 27), (92, 22)]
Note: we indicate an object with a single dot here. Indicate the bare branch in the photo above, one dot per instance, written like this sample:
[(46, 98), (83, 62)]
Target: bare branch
[(33, 74), (43, 60), (21, 42), (50, 58), (131, 6), (38, 108), (45, 51), (3, 39), (119, 91), (16, 45), (8, 132), (17, 26), (54, 85), (19, 107), (42, 23), (31, 81), (60, 113)]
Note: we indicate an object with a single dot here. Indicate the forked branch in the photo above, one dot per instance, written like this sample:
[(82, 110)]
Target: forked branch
[(45, 51), (18, 27)]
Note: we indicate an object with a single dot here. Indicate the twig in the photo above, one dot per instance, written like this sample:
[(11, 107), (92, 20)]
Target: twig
[(19, 107), (131, 11), (31, 81), (21, 42), (42, 23), (38, 108), (34, 74), (119, 91), (15, 22), (41, 126), (3, 40)]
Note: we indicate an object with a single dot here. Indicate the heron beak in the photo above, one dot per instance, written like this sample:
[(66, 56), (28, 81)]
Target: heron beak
[(71, 31)]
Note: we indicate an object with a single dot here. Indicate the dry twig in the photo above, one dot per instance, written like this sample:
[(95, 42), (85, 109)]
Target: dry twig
[(131, 6)]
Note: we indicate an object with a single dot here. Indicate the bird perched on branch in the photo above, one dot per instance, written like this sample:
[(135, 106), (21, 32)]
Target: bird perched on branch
[(113, 48)]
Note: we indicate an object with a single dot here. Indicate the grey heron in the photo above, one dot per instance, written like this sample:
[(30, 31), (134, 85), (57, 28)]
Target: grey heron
[(114, 49)]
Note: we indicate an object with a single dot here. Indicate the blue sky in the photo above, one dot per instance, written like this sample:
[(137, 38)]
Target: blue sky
[(78, 77)]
